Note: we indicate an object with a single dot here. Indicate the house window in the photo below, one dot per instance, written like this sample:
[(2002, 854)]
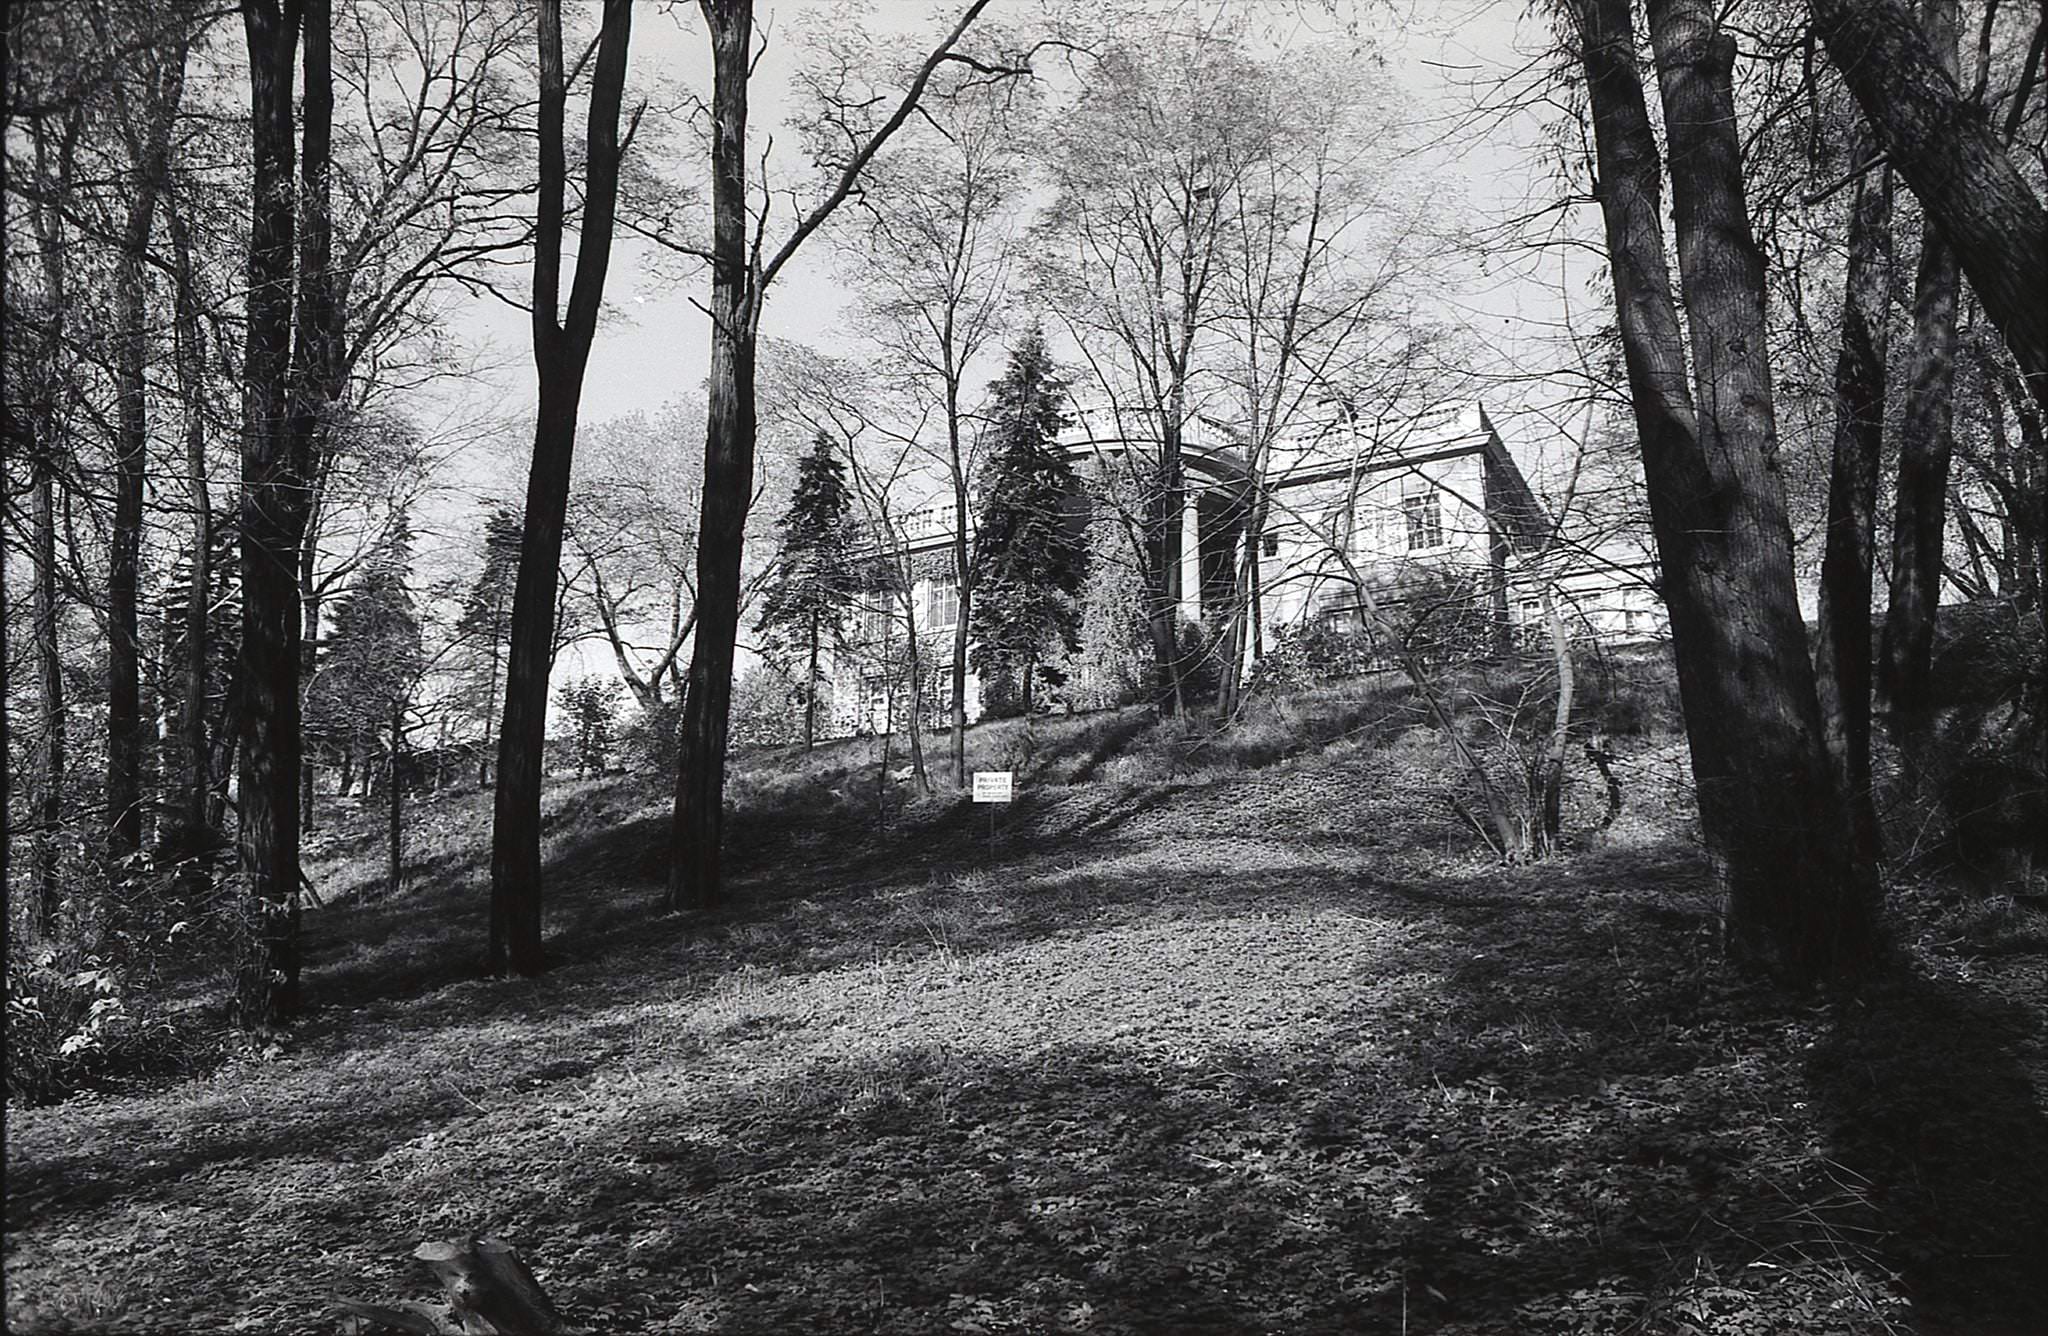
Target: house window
[(874, 625), (1269, 544), (1425, 515), (942, 604)]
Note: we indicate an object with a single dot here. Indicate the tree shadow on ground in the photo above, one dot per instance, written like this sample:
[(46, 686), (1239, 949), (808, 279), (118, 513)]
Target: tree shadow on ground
[(1929, 1105), (1542, 1140)]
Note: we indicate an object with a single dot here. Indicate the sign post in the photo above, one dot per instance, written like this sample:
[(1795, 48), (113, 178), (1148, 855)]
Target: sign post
[(994, 787)]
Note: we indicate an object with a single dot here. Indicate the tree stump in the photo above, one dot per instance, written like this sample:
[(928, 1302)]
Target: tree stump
[(490, 1288)]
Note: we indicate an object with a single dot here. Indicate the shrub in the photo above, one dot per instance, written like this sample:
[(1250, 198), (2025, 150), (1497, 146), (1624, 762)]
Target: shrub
[(651, 738), (1307, 655)]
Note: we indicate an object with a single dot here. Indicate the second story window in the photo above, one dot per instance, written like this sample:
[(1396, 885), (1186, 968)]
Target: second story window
[(941, 604), (1424, 512)]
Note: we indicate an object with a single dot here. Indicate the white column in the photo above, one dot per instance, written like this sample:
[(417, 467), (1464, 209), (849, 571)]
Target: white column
[(1190, 556)]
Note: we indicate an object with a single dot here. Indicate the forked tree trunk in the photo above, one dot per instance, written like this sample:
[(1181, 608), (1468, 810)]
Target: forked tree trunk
[(561, 350), (1842, 651), (1799, 903)]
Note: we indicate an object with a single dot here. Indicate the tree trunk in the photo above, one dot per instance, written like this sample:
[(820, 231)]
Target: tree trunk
[(561, 350), (1953, 161), (394, 793), (1842, 651), (148, 147), (963, 582), (1798, 902), (699, 820), (1165, 544), (271, 521), (50, 679), (811, 687), (124, 680), (1551, 820), (1925, 444), (192, 773)]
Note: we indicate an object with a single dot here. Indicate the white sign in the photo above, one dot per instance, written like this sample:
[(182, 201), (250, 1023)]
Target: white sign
[(993, 786)]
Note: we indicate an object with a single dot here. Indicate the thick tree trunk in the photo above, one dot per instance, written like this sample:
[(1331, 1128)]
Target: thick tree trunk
[(1842, 651), (561, 350), (699, 821), (1798, 902), (1953, 161), (1925, 445), (271, 521)]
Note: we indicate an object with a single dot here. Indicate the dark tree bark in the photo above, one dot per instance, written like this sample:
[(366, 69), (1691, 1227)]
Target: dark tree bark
[(1842, 652), (1925, 445), (739, 283), (46, 451), (963, 575), (561, 352), (699, 821), (1798, 901), (290, 374), (148, 147), (1953, 161), (267, 990), (50, 772)]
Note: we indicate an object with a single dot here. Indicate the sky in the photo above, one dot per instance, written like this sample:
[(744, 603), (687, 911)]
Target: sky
[(654, 344), (1447, 56)]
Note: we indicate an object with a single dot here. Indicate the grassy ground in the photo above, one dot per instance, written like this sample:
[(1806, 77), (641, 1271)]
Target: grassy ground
[(1238, 1035)]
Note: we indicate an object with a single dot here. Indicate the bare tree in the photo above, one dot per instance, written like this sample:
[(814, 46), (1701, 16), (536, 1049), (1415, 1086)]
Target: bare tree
[(561, 351), (292, 371), (1144, 169), (1799, 903), (932, 254), (742, 269), (145, 133)]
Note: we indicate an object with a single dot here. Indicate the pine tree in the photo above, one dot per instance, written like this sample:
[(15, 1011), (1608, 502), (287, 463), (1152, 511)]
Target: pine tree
[(1032, 555), (486, 620), (814, 581), (366, 679)]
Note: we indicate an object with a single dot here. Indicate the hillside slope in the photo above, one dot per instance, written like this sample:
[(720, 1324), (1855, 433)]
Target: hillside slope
[(1202, 1035)]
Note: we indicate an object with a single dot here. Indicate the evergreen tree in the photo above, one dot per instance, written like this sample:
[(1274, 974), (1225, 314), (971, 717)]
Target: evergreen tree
[(366, 679), (486, 622), (1031, 551), (814, 582)]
